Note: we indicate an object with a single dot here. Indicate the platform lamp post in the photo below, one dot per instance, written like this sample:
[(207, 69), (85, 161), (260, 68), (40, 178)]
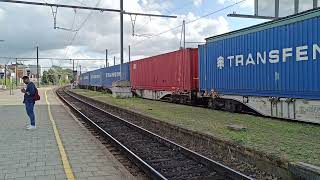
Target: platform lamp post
[(16, 72), (5, 75), (106, 57), (38, 73), (5, 69), (129, 47)]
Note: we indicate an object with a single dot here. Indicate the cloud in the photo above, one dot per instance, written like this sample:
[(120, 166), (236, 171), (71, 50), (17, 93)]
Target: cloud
[(245, 4), (156, 5), (2, 14), (222, 1), (197, 2), (24, 30)]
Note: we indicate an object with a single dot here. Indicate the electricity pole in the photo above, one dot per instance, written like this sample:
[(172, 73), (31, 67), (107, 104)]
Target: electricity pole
[(184, 34), (296, 6), (38, 74), (129, 53), (72, 66), (121, 39), (16, 72), (121, 11), (5, 75), (106, 57)]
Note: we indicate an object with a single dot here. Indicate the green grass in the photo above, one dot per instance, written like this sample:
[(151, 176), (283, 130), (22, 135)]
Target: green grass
[(293, 141)]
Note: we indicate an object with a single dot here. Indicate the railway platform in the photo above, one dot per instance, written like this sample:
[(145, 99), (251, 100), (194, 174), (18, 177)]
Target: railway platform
[(60, 148)]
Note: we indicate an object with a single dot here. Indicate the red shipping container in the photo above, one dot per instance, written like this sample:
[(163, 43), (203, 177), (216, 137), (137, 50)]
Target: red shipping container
[(174, 71)]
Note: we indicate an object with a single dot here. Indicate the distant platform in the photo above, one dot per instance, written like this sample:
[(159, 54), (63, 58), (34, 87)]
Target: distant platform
[(60, 147)]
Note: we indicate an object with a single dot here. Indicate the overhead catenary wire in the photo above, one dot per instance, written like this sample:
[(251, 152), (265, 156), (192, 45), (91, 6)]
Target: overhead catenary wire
[(78, 29), (54, 59), (181, 7), (192, 21), (189, 22), (168, 11), (142, 26), (122, 12), (54, 14), (74, 18)]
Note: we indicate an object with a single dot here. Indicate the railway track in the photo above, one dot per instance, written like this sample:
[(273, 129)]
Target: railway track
[(158, 157)]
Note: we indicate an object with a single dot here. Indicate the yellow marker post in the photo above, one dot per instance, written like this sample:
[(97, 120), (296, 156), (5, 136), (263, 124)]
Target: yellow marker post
[(64, 157)]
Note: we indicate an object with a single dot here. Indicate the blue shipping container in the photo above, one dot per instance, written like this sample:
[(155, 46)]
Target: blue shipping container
[(279, 58), (85, 79), (96, 77), (112, 74)]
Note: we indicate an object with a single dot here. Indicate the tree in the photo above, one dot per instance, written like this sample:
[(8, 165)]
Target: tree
[(44, 79), (57, 75)]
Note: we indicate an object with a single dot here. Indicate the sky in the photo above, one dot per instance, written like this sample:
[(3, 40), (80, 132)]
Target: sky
[(23, 27)]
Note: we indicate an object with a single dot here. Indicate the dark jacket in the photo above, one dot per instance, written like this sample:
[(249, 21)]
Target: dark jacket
[(30, 92)]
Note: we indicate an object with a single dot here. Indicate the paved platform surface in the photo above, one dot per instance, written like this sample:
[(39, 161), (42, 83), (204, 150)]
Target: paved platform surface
[(35, 154)]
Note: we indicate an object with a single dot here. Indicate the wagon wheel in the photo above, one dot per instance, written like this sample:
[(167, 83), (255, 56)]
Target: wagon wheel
[(211, 104), (230, 106), (183, 100), (240, 108)]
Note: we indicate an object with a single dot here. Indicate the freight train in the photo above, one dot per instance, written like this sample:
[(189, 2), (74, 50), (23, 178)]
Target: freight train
[(271, 68)]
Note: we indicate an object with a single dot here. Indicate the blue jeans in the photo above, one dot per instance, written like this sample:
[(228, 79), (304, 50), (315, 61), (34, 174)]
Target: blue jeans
[(30, 112)]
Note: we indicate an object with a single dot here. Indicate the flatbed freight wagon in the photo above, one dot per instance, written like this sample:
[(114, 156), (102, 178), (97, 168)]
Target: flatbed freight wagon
[(273, 68)]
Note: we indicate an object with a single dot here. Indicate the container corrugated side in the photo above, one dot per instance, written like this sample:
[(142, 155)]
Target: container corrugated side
[(291, 69), (96, 77), (85, 79), (112, 74), (172, 71)]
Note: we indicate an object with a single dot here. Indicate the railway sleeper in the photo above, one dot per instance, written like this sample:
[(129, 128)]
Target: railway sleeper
[(135, 140), (158, 154), (175, 172), (176, 164), (156, 151), (176, 168), (212, 176), (150, 145)]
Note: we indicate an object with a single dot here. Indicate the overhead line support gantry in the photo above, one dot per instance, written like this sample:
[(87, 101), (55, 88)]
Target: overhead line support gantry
[(121, 11)]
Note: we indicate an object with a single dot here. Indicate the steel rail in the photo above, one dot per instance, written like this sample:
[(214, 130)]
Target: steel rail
[(136, 159), (220, 168)]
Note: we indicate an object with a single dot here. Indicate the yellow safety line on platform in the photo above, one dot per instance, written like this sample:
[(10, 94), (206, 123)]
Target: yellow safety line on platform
[(64, 157)]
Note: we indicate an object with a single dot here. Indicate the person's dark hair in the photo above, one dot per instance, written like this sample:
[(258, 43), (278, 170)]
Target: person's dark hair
[(25, 77)]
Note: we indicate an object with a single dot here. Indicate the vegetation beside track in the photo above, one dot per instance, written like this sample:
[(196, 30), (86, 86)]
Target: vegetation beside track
[(293, 141)]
